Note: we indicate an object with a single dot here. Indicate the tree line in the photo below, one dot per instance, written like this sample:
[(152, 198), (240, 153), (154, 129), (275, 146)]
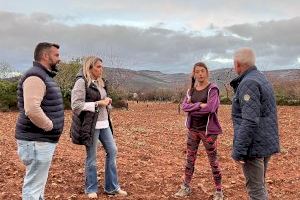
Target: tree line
[(67, 76)]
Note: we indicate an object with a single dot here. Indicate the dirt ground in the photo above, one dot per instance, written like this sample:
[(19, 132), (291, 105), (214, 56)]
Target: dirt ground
[(151, 154)]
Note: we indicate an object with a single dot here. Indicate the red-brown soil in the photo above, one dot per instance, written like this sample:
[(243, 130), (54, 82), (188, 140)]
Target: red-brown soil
[(151, 155)]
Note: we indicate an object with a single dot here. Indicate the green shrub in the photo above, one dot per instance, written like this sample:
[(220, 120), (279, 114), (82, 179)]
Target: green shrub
[(119, 98), (287, 101), (8, 95), (225, 100)]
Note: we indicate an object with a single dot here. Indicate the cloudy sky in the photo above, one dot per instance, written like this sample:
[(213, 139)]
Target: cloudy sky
[(165, 35)]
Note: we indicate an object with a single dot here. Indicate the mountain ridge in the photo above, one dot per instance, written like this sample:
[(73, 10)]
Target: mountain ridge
[(156, 79), (133, 81)]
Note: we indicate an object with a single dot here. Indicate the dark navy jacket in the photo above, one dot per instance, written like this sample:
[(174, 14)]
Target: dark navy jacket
[(254, 116), (52, 105)]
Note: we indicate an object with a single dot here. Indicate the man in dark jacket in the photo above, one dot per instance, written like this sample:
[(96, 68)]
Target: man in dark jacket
[(254, 116), (41, 119)]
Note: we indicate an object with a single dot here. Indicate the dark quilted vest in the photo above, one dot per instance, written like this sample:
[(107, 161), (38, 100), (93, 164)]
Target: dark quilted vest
[(83, 126), (52, 105)]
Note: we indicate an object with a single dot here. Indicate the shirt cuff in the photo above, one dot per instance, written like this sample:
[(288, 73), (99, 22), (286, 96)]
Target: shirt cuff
[(89, 106)]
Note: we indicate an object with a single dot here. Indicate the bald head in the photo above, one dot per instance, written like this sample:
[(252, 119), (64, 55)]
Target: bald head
[(243, 59)]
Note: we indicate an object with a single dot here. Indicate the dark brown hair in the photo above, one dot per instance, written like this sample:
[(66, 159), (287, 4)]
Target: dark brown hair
[(41, 47), (198, 64)]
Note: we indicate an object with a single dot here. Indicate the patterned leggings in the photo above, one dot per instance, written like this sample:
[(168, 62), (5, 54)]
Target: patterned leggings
[(210, 144)]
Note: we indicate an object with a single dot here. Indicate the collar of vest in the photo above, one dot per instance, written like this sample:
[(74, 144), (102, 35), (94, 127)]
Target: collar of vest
[(50, 73)]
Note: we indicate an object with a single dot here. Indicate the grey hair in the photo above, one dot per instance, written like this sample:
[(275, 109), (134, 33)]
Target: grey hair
[(245, 56)]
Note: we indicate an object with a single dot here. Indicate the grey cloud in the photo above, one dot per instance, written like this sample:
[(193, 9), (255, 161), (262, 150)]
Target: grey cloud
[(154, 48), (276, 42), (280, 32)]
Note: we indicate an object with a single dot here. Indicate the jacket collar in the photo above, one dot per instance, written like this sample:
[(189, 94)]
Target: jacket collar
[(235, 82), (49, 72)]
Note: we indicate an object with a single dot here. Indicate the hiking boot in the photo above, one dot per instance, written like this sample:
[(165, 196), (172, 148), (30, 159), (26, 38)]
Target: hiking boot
[(92, 195), (218, 195), (183, 191)]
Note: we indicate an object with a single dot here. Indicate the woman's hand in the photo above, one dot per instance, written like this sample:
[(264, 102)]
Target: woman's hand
[(203, 105), (104, 102), (189, 99), (110, 100)]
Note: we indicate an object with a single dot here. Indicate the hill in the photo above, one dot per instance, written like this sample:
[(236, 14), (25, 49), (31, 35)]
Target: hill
[(147, 79)]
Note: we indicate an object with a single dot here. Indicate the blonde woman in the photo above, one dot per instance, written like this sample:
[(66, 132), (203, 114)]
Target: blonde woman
[(89, 102)]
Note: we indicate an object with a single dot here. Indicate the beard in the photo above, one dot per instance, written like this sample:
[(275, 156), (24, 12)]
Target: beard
[(54, 66)]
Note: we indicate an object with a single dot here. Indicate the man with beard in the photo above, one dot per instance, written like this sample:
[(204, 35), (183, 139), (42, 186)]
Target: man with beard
[(41, 119)]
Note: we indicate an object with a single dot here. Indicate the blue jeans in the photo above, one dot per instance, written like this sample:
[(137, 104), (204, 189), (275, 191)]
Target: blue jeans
[(37, 157), (255, 173), (111, 177)]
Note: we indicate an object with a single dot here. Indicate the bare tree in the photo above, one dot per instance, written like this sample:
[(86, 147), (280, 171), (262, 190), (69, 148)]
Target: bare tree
[(7, 71), (118, 78), (180, 91), (223, 77), (115, 71)]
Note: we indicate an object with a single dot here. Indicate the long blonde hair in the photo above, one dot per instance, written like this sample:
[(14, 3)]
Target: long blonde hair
[(88, 63)]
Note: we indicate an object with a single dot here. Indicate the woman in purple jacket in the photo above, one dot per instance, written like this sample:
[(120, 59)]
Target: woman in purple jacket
[(201, 103)]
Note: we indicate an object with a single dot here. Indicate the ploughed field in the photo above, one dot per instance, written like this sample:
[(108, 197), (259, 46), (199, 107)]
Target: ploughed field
[(151, 155)]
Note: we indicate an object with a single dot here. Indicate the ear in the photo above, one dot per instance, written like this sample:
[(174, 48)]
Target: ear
[(45, 55), (236, 64)]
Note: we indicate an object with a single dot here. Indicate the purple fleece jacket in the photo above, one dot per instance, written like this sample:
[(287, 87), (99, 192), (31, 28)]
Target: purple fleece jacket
[(213, 102)]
